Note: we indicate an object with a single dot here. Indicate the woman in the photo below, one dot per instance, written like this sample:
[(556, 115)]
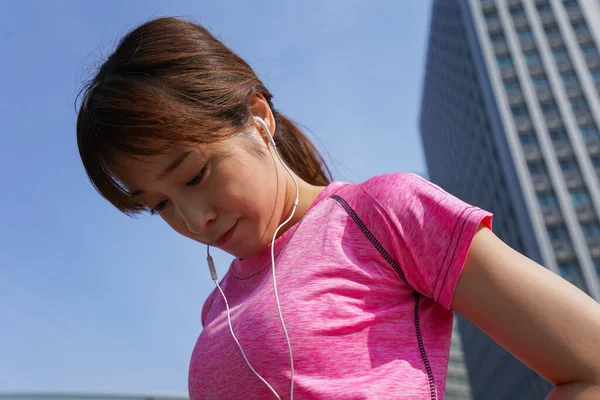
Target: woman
[(338, 291)]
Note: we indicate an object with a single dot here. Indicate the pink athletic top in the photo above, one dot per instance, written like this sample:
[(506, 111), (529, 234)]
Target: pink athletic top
[(365, 281)]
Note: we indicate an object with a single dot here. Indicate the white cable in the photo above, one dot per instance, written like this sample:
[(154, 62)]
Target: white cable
[(240, 346), (273, 269), (214, 277), (287, 338)]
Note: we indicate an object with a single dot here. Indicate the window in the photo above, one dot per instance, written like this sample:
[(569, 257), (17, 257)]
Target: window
[(596, 75), (596, 162), (549, 107), (580, 197), (579, 104), (547, 200), (589, 50), (560, 54), (504, 61), (571, 4), (552, 30), (512, 84), (589, 131), (558, 233), (528, 139), (580, 28), (520, 111), (498, 38), (569, 165), (569, 78), (533, 58), (591, 230), (525, 35), (517, 11), (491, 16), (559, 136), (540, 82), (544, 8), (537, 167), (530, 132)]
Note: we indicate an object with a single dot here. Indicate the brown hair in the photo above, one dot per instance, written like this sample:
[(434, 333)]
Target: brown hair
[(169, 82)]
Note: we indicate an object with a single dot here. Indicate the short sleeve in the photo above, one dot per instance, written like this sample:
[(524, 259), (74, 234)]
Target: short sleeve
[(426, 230)]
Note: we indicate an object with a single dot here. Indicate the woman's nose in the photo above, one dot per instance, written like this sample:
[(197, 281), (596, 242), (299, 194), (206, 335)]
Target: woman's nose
[(198, 219)]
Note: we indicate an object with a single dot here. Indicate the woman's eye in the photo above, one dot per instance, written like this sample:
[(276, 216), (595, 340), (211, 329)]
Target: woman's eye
[(197, 179), (159, 207)]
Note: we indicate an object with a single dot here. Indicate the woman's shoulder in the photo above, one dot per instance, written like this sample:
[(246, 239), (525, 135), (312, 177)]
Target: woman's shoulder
[(387, 188), (394, 181)]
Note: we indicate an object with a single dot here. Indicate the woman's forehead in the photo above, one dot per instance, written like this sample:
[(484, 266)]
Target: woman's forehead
[(146, 163), (134, 170), (133, 163)]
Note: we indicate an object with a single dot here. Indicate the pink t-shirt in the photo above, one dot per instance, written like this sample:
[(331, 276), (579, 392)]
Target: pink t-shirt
[(365, 282)]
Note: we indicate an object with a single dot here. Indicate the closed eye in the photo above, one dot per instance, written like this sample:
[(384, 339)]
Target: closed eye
[(159, 207), (198, 178), (194, 181)]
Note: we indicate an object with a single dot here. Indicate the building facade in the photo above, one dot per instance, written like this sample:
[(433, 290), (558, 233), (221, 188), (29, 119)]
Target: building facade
[(509, 122), (457, 382)]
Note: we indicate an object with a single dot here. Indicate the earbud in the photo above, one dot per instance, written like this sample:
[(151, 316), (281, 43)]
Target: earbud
[(261, 122)]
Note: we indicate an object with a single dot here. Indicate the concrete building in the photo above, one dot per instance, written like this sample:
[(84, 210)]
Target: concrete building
[(509, 122), (457, 383)]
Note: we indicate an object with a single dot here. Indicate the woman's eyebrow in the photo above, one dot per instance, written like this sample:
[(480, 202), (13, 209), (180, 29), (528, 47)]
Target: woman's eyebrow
[(173, 165), (169, 169)]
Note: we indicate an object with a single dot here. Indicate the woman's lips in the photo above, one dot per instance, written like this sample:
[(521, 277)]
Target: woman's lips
[(225, 238)]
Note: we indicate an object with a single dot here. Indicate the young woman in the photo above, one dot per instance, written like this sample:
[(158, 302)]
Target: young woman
[(338, 291)]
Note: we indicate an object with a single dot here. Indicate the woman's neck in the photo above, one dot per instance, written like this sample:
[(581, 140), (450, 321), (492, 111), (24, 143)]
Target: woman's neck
[(307, 194)]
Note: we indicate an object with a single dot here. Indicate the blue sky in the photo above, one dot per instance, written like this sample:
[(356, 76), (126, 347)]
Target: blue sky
[(91, 300)]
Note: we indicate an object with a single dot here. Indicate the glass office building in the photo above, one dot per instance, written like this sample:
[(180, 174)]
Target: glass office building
[(509, 122)]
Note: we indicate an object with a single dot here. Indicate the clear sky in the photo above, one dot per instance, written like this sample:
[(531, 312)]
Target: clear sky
[(91, 300)]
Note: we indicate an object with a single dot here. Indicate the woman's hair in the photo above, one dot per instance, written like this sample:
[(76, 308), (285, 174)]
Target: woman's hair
[(170, 82)]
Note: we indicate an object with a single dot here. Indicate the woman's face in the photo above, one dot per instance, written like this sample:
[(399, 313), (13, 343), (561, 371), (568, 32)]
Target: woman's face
[(225, 194)]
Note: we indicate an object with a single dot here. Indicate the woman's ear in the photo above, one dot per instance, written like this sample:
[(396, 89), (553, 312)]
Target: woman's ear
[(259, 107)]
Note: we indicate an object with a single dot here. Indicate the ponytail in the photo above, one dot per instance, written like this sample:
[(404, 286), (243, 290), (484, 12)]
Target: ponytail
[(299, 153)]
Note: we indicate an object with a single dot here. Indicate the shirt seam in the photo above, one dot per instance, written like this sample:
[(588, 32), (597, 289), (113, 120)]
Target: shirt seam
[(371, 237), (462, 230), (443, 264)]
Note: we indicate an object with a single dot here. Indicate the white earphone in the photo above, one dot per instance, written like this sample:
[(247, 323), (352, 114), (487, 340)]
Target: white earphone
[(214, 276)]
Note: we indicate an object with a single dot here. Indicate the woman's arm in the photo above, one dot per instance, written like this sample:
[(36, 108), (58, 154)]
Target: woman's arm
[(537, 316)]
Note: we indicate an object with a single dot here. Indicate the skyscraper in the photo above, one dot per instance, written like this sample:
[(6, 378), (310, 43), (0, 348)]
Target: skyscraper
[(457, 384), (509, 122)]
